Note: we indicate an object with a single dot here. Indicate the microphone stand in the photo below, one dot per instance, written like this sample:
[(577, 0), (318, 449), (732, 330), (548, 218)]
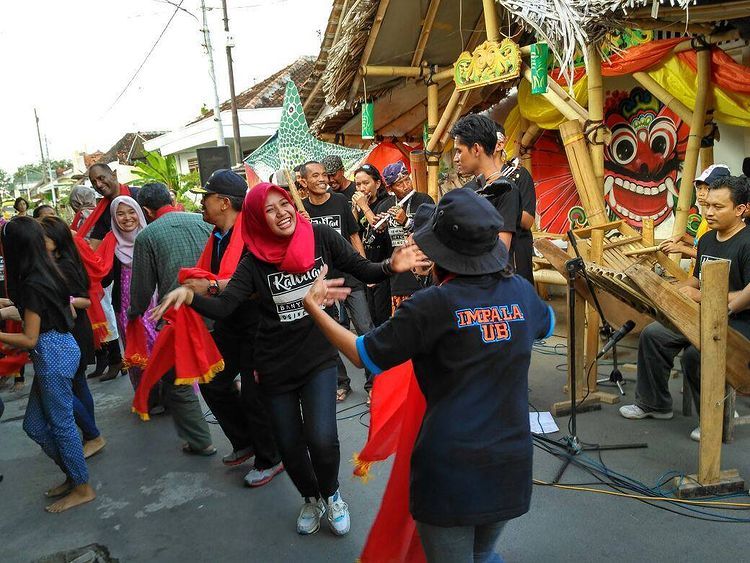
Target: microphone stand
[(571, 443)]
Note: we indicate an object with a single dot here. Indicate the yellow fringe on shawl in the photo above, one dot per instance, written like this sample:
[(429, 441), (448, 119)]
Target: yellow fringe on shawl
[(361, 468), (205, 378), (144, 415), (137, 361)]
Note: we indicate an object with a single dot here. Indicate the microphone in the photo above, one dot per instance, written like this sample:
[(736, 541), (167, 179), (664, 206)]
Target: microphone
[(616, 337)]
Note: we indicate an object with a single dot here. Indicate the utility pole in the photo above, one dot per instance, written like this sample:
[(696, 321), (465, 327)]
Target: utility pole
[(51, 177), (212, 74), (235, 117), (39, 136)]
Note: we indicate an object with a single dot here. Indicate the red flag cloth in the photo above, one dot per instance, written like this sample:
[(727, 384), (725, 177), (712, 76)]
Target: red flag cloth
[(185, 344), (14, 359), (136, 347), (98, 265), (396, 414), (75, 224), (164, 210), (103, 204), (726, 73)]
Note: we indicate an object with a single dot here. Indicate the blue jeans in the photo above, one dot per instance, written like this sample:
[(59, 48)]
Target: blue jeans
[(304, 424), (461, 544), (83, 406)]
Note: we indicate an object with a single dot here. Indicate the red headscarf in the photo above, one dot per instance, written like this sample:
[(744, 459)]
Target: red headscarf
[(294, 254)]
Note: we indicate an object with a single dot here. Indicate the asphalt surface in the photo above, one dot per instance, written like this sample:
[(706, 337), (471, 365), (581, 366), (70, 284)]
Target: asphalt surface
[(156, 504)]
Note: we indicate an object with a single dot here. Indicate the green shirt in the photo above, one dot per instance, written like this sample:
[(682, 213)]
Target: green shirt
[(174, 241)]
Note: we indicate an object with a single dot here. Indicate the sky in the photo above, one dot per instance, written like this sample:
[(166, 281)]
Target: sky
[(72, 59)]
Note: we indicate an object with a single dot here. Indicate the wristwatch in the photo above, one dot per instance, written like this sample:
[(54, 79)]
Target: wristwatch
[(213, 288)]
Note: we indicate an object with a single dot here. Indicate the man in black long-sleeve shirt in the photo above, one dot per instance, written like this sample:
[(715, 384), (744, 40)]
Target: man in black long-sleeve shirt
[(243, 418)]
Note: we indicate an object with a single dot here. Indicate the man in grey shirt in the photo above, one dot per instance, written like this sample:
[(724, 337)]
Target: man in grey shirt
[(171, 241)]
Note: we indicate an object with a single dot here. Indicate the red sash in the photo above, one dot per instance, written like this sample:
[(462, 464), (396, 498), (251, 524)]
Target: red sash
[(15, 359), (103, 204), (98, 265), (396, 415), (184, 343)]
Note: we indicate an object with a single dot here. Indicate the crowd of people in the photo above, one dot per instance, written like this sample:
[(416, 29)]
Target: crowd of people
[(280, 289)]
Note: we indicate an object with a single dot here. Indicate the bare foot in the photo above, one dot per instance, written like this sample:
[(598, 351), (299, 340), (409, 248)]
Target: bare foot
[(60, 490), (91, 447), (80, 494)]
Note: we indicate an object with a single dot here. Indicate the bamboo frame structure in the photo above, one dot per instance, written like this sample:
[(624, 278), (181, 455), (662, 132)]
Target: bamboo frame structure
[(583, 172), (450, 108), (393, 71), (561, 104), (379, 16), (596, 114), (665, 97), (697, 126), (490, 20), (433, 163), (424, 34)]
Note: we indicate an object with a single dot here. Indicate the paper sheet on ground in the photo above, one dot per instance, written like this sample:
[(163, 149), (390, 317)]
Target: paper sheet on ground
[(542, 423)]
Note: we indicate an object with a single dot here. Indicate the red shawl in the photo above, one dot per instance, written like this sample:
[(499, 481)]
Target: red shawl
[(185, 342), (103, 204), (14, 359), (395, 418), (98, 265), (294, 254)]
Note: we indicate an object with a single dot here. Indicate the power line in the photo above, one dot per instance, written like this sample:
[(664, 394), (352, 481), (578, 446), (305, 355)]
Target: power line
[(135, 74)]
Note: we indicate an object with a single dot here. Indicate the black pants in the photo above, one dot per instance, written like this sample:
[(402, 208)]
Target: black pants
[(522, 254), (379, 302), (304, 423), (242, 417)]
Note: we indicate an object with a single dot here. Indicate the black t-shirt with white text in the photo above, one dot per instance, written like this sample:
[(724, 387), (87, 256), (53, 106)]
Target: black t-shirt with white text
[(406, 283), (288, 346), (336, 212), (735, 249)]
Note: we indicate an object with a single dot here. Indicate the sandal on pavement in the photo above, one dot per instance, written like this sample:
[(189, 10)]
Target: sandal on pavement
[(188, 449), (342, 394)]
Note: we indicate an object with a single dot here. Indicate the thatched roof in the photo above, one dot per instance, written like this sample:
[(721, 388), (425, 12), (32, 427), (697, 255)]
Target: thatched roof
[(570, 26)]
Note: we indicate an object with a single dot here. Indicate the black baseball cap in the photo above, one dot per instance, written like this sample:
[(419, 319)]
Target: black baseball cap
[(223, 182)]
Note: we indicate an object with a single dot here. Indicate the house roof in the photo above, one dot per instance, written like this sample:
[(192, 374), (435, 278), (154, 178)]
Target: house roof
[(269, 93), (128, 149)]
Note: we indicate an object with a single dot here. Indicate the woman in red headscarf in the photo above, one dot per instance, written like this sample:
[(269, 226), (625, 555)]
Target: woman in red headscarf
[(295, 364)]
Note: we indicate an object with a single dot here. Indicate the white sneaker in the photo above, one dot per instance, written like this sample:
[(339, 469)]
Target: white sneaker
[(695, 435), (259, 477), (338, 515), (634, 412), (308, 521)]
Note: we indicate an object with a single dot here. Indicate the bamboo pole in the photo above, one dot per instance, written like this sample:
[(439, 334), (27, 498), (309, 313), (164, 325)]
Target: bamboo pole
[(552, 97), (377, 23), (583, 172), (433, 163), (521, 150), (418, 170), (490, 20), (456, 114), (703, 78), (713, 336), (392, 71), (444, 119), (664, 96), (424, 35), (596, 114), (293, 191), (445, 74)]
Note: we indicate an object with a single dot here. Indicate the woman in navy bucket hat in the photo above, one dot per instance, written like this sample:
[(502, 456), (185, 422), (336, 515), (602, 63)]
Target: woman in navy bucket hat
[(469, 338)]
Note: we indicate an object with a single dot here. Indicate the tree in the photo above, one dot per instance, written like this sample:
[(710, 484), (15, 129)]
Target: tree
[(6, 183), (157, 168)]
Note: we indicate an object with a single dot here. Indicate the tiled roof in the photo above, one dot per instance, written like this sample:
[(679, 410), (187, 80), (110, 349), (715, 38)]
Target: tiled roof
[(269, 93), (128, 148)]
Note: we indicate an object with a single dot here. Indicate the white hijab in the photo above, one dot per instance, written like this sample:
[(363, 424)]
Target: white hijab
[(126, 241)]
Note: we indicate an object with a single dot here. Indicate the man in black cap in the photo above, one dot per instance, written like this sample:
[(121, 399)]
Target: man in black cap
[(242, 417), (339, 183)]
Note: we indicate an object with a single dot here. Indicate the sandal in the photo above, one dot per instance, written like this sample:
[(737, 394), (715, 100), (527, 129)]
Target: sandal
[(210, 450), (342, 393)]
